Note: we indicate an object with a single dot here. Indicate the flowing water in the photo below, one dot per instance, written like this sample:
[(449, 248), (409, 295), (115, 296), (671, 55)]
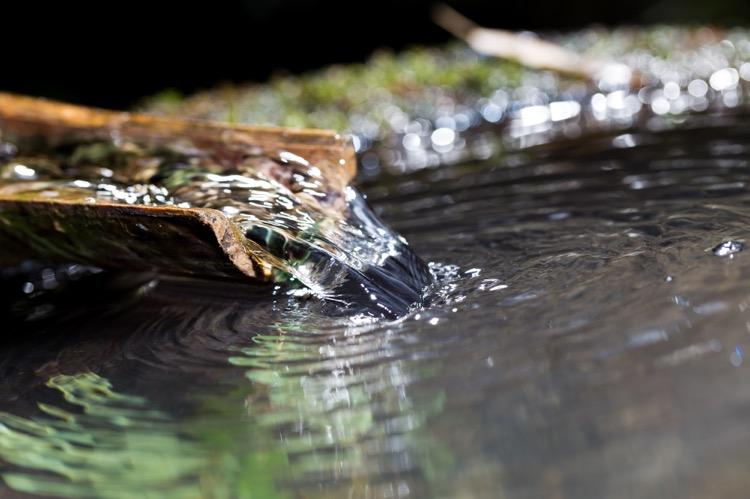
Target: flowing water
[(584, 337), (294, 222)]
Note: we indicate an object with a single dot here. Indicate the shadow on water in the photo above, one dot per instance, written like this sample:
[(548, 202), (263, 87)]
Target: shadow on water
[(586, 338)]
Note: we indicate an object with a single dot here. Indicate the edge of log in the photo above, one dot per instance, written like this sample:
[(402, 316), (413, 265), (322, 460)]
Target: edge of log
[(183, 241)]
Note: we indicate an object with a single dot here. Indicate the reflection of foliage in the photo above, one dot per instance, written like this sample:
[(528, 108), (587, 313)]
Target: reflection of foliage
[(338, 414), (110, 445), (339, 410), (116, 444)]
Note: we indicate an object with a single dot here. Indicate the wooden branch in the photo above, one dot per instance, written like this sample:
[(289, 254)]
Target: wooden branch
[(526, 50)]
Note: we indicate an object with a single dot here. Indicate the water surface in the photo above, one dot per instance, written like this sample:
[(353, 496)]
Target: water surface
[(585, 338)]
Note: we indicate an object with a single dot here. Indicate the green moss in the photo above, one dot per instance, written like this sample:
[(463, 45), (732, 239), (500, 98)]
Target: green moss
[(328, 98)]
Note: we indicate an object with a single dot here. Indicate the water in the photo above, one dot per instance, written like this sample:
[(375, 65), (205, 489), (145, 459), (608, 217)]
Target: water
[(585, 337), (296, 224)]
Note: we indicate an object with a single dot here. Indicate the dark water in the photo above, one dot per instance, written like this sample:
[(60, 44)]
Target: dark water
[(585, 339)]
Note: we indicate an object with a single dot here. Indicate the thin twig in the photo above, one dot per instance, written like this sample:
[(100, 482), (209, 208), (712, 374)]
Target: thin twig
[(526, 50)]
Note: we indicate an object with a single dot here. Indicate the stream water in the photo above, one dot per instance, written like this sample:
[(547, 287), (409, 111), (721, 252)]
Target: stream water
[(584, 338)]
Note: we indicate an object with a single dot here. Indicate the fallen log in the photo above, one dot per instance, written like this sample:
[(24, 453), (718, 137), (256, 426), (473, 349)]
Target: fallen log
[(71, 226)]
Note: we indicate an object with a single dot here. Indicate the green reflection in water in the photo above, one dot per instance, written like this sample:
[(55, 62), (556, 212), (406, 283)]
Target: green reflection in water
[(102, 445), (110, 445), (344, 407), (319, 418)]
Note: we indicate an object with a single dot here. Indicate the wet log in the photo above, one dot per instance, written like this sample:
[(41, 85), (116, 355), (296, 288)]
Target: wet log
[(170, 239)]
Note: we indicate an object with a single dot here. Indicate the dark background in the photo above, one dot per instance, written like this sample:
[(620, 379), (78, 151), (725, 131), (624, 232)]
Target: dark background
[(111, 54)]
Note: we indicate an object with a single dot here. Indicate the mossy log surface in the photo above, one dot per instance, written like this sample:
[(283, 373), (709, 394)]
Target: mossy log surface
[(170, 239)]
